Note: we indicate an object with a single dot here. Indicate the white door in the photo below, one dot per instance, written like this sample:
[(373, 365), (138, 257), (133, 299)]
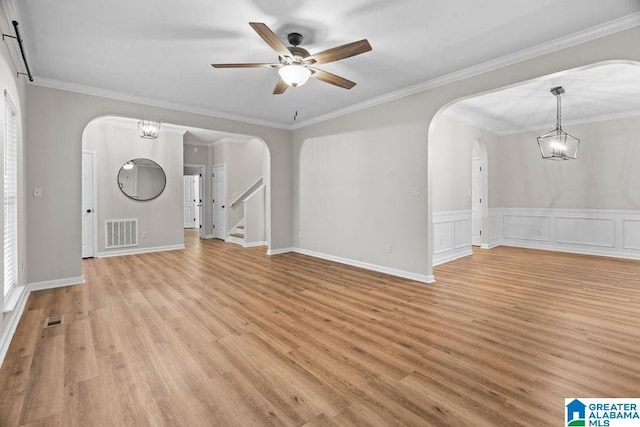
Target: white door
[(219, 202), (189, 201), (87, 205), (197, 201), (476, 201)]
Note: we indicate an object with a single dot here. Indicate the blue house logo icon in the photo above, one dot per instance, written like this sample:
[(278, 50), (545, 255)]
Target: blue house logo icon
[(576, 413)]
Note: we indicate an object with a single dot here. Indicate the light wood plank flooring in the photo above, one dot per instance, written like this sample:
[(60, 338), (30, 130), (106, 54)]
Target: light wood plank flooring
[(218, 335)]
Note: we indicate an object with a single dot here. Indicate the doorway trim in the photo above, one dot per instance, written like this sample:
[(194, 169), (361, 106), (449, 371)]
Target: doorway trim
[(94, 190), (202, 169), (216, 230)]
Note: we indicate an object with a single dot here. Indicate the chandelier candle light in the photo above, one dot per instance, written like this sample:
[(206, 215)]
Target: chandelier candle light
[(148, 129), (557, 144)]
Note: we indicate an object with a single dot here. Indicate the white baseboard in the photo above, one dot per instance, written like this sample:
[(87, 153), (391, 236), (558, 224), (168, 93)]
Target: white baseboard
[(59, 283), (209, 236), (279, 251), (452, 255), (367, 266), (254, 244), (140, 251), (11, 323), (490, 245), (13, 318)]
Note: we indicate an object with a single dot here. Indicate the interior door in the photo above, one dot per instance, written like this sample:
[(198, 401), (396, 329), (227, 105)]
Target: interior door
[(87, 205), (219, 202), (196, 201), (189, 201), (476, 201)]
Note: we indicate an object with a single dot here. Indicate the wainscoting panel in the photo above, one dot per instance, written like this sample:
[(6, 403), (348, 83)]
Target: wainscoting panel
[(601, 231), (595, 232), (452, 235), (631, 234), (526, 227)]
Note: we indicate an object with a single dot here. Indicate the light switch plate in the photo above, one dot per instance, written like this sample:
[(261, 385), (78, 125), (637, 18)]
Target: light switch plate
[(37, 192)]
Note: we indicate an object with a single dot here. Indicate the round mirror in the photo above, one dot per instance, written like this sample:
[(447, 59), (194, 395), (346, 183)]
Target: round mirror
[(141, 179)]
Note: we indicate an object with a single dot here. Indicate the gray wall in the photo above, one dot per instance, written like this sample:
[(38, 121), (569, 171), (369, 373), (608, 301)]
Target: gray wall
[(605, 174), (244, 166), (56, 120), (451, 150), (161, 218), (394, 135), (374, 156)]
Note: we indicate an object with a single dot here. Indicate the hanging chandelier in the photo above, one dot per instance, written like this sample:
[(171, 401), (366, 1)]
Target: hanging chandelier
[(148, 129), (557, 144)]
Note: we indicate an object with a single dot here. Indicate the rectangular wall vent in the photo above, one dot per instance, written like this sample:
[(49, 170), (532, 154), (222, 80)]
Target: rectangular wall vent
[(121, 233)]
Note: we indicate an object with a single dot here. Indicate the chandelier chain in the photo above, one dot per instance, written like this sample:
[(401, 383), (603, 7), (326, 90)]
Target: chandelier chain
[(559, 113)]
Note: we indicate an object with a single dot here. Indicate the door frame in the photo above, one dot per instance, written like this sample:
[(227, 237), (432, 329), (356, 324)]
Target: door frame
[(201, 185), (94, 190), (213, 209), (480, 178)]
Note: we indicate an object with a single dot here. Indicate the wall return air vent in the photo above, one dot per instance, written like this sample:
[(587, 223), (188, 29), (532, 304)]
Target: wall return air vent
[(121, 233)]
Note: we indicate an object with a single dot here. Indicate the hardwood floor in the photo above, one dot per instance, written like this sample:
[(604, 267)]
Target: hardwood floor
[(221, 335)]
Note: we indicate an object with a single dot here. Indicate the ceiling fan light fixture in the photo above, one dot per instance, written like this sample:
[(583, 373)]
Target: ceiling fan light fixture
[(294, 75), (148, 129)]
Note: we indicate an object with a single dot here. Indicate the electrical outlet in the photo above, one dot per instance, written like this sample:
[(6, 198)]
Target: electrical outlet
[(37, 192), (145, 234), (415, 190), (389, 248)]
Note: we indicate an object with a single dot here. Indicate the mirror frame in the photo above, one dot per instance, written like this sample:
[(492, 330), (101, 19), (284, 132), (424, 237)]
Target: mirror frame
[(138, 199)]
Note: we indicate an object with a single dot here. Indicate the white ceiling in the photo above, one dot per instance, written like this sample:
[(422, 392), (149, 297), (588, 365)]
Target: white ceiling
[(597, 93), (161, 50)]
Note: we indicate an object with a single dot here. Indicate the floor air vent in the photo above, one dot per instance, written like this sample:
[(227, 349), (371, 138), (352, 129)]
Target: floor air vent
[(52, 321), (121, 233)]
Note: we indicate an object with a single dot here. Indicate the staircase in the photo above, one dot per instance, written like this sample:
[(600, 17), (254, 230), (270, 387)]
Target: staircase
[(237, 234)]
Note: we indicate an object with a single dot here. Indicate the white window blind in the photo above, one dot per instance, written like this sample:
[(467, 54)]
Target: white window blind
[(10, 196)]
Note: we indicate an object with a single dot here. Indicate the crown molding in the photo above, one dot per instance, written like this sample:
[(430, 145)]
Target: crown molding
[(128, 123), (589, 34), (584, 36), (120, 96), (11, 10)]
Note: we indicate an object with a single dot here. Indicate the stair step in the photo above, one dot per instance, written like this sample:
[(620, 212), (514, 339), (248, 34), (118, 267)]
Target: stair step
[(238, 235)]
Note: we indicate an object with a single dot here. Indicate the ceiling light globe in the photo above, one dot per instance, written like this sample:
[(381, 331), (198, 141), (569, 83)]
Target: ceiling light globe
[(294, 74)]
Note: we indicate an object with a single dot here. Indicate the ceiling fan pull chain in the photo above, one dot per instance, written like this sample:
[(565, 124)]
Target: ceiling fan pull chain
[(295, 104)]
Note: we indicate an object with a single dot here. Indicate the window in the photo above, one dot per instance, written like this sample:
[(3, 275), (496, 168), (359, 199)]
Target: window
[(10, 197)]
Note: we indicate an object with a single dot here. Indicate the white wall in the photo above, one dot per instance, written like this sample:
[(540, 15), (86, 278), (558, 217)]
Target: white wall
[(353, 172), (56, 120), (605, 175), (161, 218), (451, 150), (15, 87), (354, 194), (244, 167)]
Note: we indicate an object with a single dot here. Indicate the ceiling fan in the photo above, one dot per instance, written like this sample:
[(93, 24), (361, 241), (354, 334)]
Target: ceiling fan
[(297, 64)]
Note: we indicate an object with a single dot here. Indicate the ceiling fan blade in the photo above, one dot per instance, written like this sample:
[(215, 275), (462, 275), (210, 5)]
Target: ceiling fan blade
[(250, 65), (271, 39), (332, 79), (280, 88), (340, 52)]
